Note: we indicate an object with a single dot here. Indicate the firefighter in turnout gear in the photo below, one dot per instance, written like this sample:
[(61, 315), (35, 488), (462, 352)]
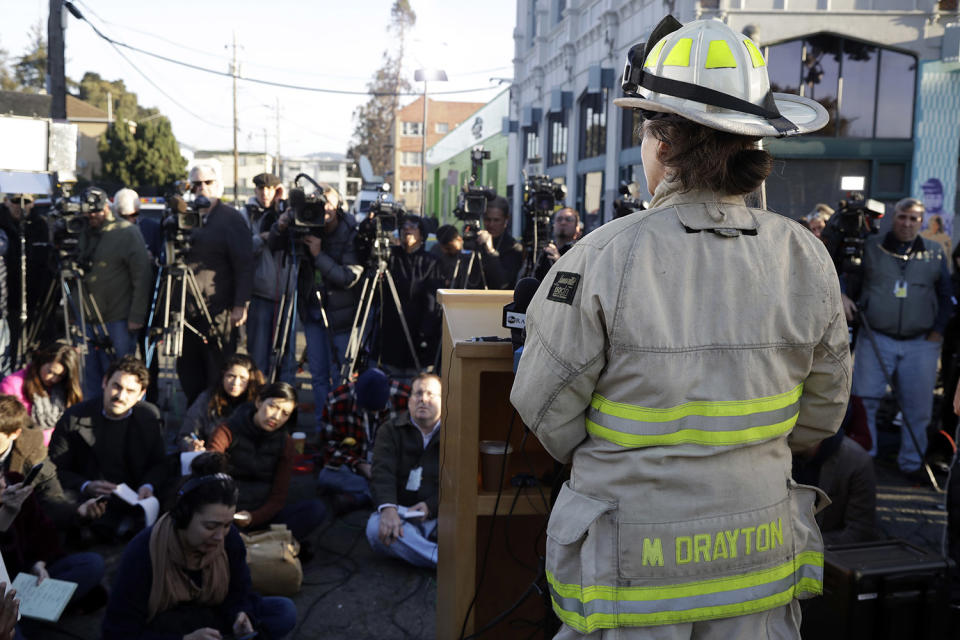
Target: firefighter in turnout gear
[(676, 356)]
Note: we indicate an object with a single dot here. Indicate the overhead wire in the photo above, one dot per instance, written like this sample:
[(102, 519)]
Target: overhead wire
[(271, 83)]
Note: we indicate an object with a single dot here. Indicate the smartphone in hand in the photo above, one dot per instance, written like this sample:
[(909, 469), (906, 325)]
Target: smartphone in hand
[(32, 474)]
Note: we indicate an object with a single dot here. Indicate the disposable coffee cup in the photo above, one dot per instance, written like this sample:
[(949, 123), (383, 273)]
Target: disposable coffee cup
[(299, 439), (492, 460)]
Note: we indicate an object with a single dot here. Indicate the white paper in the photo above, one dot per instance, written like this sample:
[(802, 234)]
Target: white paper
[(186, 458), (45, 601), (4, 576), (150, 506), (413, 480)]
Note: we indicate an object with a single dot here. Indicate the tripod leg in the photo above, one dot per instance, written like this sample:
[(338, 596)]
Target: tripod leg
[(356, 331), (403, 320)]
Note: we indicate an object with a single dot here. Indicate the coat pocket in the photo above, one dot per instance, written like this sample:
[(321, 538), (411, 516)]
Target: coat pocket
[(581, 553), (805, 502)]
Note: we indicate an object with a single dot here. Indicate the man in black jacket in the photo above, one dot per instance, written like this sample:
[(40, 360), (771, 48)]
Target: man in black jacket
[(103, 442), (496, 221), (221, 256), (566, 231), (327, 291), (406, 479), (417, 276)]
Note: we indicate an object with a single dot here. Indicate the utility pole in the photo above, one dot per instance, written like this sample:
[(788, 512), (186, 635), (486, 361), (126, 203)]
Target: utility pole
[(235, 71), (56, 67), (279, 174)]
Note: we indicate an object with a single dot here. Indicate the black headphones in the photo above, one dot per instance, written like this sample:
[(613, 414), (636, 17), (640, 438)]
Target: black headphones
[(182, 511)]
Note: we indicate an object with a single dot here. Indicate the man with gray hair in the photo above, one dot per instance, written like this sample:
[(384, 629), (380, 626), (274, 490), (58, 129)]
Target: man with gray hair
[(221, 256), (904, 296)]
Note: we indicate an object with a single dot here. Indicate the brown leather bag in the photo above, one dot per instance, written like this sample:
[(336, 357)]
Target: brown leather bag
[(275, 569)]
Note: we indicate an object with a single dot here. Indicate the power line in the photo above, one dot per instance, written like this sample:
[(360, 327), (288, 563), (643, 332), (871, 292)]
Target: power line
[(282, 85)]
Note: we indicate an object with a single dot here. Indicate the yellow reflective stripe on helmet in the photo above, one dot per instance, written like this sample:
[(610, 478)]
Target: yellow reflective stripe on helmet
[(755, 54), (719, 56), (693, 436), (706, 408), (601, 607), (654, 56), (679, 55)]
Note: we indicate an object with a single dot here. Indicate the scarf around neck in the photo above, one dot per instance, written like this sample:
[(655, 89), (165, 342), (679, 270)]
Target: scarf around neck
[(171, 585)]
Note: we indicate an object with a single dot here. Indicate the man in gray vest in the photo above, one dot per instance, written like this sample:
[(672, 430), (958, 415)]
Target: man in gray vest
[(906, 300)]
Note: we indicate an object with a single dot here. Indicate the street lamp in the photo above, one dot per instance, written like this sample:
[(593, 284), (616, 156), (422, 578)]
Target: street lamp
[(423, 75)]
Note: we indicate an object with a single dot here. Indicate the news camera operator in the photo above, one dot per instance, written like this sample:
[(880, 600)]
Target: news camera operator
[(117, 274), (566, 231), (326, 292), (496, 221), (271, 278), (477, 267), (417, 276), (903, 291), (221, 256)]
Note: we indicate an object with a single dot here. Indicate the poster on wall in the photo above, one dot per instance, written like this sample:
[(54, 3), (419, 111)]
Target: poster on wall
[(937, 226)]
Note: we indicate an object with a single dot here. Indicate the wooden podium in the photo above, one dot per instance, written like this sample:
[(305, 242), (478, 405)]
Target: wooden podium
[(477, 378)]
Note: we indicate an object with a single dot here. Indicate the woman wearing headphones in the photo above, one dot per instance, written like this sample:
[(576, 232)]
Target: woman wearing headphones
[(187, 576)]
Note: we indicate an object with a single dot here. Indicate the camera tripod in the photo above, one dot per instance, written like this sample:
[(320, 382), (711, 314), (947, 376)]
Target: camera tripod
[(77, 304), (283, 328), (175, 282), (373, 288)]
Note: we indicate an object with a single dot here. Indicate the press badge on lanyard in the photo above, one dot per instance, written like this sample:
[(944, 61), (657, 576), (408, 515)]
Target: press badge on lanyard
[(900, 289), (413, 480)]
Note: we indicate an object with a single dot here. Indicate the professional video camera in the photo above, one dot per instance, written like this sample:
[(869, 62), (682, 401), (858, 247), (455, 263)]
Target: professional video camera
[(180, 218), (473, 198), (541, 195), (854, 221), (630, 202), (309, 209), (374, 233), (68, 216)]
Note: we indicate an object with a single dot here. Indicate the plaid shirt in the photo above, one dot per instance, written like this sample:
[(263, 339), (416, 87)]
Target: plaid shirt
[(343, 418)]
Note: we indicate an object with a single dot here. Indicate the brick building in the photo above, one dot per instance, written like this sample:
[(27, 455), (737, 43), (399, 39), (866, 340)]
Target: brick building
[(442, 117)]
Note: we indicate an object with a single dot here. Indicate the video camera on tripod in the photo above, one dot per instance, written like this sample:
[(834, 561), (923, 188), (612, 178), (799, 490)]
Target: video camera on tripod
[(854, 221), (180, 218), (630, 202), (68, 217), (473, 199), (374, 234), (309, 209), (541, 195)]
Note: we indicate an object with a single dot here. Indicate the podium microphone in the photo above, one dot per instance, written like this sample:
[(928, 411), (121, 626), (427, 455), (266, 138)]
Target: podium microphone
[(515, 314)]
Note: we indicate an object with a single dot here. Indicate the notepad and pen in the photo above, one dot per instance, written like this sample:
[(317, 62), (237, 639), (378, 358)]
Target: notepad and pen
[(150, 506)]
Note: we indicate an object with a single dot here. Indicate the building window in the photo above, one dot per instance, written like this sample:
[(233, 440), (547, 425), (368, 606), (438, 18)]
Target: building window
[(442, 127), (590, 199), (532, 21), (561, 7), (411, 158), (631, 133), (557, 142), (868, 90), (593, 125), (410, 186), (413, 128), (531, 144)]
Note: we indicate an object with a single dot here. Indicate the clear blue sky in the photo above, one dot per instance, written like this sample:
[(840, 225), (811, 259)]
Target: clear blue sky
[(317, 43)]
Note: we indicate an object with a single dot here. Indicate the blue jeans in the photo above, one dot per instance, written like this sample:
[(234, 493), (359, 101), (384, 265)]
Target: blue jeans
[(913, 366), (260, 324), (86, 569), (302, 517), (342, 479), (277, 614), (323, 367), (413, 546), (97, 362)]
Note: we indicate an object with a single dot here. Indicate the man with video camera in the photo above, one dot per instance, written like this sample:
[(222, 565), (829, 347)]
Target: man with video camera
[(496, 221), (566, 231), (326, 292), (904, 295), (117, 275), (271, 276), (221, 256), (462, 267)]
